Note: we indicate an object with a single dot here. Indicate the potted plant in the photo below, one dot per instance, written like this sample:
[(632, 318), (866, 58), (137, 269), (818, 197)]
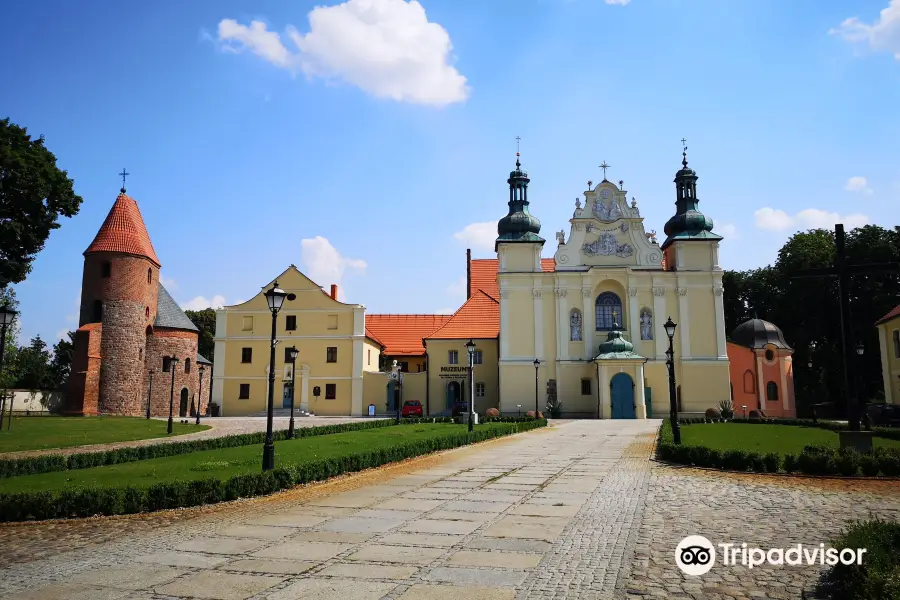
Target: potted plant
[(554, 407), (726, 408)]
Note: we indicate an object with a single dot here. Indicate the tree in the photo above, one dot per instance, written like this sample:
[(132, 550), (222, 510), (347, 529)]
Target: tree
[(9, 374), (61, 363), (33, 194), (34, 365), (205, 320)]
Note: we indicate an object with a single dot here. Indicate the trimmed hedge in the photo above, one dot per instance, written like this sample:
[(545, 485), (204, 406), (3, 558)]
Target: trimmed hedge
[(64, 462), (892, 433), (25, 506), (878, 577), (499, 419), (813, 460)]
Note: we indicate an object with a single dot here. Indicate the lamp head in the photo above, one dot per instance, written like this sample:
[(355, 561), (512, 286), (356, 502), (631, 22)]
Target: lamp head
[(202, 368), (860, 349), (537, 363), (174, 359), (293, 352), (275, 297), (7, 315), (470, 347), (669, 326)]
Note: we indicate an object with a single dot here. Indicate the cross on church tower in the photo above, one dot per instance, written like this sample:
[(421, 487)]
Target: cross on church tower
[(604, 166), (123, 175), (843, 272), (518, 139)]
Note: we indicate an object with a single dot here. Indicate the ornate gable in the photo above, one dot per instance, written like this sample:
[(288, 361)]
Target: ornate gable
[(607, 231)]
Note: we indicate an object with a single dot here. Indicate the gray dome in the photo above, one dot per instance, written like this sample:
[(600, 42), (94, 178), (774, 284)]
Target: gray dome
[(757, 334)]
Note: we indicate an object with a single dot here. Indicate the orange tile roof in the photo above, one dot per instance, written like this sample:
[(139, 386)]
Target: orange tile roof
[(401, 335), (484, 275), (124, 231), (893, 314), (478, 318), (373, 337)]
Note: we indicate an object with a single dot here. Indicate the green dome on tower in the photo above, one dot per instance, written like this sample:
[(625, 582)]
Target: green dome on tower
[(688, 223), (519, 225)]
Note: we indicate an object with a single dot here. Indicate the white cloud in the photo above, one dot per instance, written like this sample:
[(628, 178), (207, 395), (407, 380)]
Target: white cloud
[(458, 287), (170, 284), (324, 264), (62, 334), (479, 236), (858, 184), (810, 218), (387, 48), (728, 231), (201, 302), (619, 2), (882, 35)]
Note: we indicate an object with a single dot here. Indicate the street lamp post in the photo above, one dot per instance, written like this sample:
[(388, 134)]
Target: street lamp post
[(537, 363), (293, 352), (200, 393), (860, 403), (173, 361), (275, 297), (670, 362), (7, 316), (150, 392), (470, 349)]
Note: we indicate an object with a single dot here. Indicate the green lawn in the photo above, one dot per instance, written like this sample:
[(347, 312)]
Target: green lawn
[(39, 433), (226, 462), (763, 438)]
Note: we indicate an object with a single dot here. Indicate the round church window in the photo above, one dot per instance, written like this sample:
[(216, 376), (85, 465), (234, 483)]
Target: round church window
[(770, 356)]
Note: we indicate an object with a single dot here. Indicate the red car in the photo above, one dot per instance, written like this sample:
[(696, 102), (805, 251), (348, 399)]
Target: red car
[(411, 408)]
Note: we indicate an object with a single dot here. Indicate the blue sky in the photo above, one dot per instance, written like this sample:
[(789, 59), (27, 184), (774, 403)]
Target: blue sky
[(368, 142)]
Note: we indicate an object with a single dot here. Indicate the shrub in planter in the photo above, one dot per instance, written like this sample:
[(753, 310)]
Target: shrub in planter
[(790, 463), (726, 408), (868, 464), (492, 412), (771, 461), (712, 413)]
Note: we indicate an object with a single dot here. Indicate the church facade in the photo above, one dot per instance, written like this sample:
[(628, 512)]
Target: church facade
[(594, 316)]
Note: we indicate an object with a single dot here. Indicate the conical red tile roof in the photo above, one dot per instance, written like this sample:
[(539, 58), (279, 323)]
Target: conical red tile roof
[(124, 231)]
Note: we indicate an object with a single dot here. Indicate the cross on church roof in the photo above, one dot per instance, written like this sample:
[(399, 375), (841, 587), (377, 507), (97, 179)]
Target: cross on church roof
[(604, 166), (518, 139), (683, 142), (123, 175)]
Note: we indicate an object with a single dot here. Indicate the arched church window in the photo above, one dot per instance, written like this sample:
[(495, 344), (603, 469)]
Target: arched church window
[(149, 276), (772, 391), (187, 365), (608, 311), (748, 382), (770, 355)]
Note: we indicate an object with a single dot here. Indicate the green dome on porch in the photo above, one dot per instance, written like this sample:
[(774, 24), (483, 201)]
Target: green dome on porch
[(616, 346)]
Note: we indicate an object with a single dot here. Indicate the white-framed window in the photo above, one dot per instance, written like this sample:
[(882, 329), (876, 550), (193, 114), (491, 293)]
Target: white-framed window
[(479, 390), (452, 357), (477, 357)]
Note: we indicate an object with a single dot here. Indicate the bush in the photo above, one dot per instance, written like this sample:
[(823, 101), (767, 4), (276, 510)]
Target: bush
[(87, 502), (847, 462), (772, 461), (60, 462), (712, 413), (736, 460), (755, 462), (878, 578), (868, 464), (889, 463), (492, 412), (790, 463)]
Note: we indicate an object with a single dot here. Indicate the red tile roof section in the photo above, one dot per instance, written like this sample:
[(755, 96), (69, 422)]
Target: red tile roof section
[(484, 275), (895, 312), (478, 318), (124, 231), (373, 337), (401, 335)]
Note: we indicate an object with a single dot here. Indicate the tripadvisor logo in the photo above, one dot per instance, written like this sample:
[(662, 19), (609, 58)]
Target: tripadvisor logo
[(695, 555)]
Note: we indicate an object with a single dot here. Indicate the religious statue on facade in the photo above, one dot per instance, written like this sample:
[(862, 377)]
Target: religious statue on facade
[(646, 325), (651, 237), (561, 237), (578, 203), (575, 326)]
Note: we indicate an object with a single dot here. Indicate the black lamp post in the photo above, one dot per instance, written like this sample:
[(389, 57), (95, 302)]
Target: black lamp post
[(669, 326), (173, 362), (150, 393), (860, 403), (470, 350), (200, 393), (275, 297), (7, 316), (537, 364), (293, 354)]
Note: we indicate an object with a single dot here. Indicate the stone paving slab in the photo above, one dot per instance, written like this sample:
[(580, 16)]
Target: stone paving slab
[(332, 589), (268, 565), (361, 525), (397, 554), (219, 586), (421, 539), (409, 504), (182, 559), (517, 526), (259, 532), (448, 592), (438, 526), (340, 537), (131, 577), (70, 591), (221, 545), (476, 577), (500, 560), (302, 550), (289, 520), (367, 571)]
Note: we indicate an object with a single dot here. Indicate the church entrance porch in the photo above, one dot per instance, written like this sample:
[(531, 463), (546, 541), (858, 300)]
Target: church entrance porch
[(621, 391)]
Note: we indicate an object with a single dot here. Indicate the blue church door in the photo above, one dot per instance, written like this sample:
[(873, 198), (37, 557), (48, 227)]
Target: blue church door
[(621, 389)]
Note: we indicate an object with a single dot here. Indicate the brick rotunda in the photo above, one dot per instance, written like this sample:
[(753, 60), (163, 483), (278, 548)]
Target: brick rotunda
[(129, 327)]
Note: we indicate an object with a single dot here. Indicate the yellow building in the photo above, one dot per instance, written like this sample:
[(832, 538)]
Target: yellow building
[(889, 344), (594, 314), (334, 352)]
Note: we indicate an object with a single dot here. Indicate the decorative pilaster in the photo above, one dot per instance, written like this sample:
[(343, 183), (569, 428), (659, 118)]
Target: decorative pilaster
[(640, 405), (304, 388), (760, 387), (782, 368), (659, 317), (721, 344), (634, 322), (538, 308), (588, 318), (504, 324), (562, 324), (684, 326), (603, 384)]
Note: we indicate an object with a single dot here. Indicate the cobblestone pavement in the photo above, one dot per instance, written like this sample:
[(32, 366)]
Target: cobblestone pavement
[(572, 511), (219, 427)]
